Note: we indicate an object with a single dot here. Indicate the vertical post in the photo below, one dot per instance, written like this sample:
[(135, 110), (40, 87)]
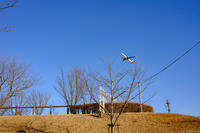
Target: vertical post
[(51, 110), (118, 128), (168, 106), (108, 128), (33, 110), (67, 110), (100, 101), (112, 108), (103, 100), (140, 98), (16, 110)]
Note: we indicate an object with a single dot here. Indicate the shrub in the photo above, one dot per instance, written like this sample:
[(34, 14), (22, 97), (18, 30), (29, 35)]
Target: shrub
[(94, 107), (130, 107)]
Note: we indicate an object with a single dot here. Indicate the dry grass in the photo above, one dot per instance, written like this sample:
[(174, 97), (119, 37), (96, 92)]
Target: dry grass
[(129, 123)]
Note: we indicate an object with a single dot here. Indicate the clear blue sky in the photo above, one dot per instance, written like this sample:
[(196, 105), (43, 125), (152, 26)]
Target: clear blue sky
[(53, 34)]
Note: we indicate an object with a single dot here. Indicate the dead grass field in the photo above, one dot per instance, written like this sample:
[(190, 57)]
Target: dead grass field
[(129, 123)]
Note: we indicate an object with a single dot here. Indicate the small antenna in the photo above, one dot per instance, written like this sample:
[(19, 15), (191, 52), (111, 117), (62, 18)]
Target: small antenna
[(168, 106)]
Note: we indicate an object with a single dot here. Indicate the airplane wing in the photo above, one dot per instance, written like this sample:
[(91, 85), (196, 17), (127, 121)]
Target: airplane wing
[(124, 55), (131, 57), (131, 61)]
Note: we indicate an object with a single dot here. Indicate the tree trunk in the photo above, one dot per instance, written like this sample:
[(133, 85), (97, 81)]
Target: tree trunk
[(111, 125), (111, 116)]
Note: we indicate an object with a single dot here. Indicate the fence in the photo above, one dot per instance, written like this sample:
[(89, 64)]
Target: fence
[(73, 109), (87, 108), (34, 108)]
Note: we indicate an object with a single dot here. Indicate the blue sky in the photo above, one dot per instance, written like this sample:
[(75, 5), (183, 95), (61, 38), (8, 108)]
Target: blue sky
[(53, 34)]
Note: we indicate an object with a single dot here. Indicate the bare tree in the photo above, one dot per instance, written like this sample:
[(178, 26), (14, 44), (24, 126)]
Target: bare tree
[(121, 86), (71, 86), (36, 99), (5, 4), (14, 79), (17, 101)]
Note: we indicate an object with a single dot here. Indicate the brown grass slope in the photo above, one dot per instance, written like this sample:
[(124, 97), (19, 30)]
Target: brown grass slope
[(129, 123)]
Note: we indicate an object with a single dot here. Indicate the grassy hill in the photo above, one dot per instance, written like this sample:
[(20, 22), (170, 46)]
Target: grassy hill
[(129, 123)]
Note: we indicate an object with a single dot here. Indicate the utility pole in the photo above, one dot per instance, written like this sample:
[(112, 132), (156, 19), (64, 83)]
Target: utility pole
[(140, 98), (101, 100), (168, 106)]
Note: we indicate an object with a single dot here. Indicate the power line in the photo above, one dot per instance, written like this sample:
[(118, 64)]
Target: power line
[(178, 58)]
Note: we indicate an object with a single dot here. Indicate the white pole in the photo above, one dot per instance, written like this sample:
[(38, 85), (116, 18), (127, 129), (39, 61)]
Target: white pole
[(100, 95), (103, 100), (140, 98)]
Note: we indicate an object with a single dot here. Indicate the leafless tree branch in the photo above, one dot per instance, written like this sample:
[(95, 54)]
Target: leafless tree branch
[(14, 79)]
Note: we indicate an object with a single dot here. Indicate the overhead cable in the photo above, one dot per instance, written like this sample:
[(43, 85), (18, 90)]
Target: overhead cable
[(173, 62)]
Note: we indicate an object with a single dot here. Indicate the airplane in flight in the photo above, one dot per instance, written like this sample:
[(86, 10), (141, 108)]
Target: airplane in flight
[(128, 58)]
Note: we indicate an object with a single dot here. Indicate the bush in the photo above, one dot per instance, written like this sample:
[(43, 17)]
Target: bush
[(130, 107), (94, 108)]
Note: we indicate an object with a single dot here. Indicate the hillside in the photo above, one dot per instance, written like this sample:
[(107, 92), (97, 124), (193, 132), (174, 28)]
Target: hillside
[(129, 123)]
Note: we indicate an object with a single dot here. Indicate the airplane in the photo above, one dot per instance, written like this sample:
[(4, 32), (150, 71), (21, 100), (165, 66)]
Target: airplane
[(128, 58)]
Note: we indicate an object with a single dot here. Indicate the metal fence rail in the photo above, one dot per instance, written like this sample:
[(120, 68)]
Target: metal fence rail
[(34, 107), (73, 109)]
